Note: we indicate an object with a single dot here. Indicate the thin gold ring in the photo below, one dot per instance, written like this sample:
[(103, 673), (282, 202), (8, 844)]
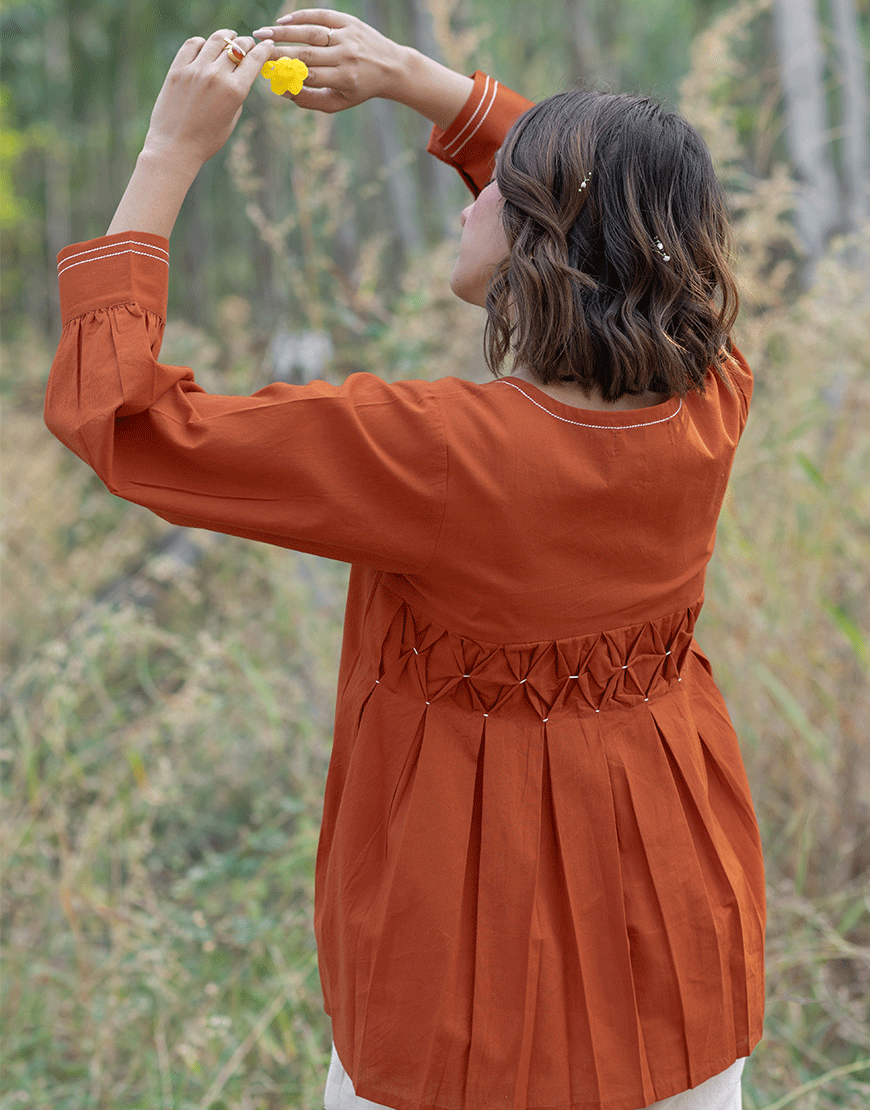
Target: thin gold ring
[(328, 35), (234, 51)]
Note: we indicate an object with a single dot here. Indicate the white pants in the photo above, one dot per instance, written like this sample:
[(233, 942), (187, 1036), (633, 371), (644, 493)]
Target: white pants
[(722, 1092)]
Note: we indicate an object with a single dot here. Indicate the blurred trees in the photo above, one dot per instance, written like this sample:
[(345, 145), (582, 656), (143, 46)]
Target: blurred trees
[(825, 202), (855, 112), (79, 81)]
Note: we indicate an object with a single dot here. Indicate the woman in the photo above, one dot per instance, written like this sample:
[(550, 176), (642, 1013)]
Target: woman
[(539, 881)]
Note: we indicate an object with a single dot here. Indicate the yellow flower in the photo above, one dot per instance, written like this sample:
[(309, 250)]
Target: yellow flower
[(286, 75)]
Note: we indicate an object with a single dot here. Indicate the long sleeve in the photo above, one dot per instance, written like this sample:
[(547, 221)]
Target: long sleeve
[(471, 141), (356, 472)]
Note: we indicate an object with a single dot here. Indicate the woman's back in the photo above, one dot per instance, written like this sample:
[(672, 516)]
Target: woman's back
[(559, 521)]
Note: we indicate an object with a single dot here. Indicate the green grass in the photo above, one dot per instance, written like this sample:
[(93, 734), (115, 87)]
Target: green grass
[(162, 789)]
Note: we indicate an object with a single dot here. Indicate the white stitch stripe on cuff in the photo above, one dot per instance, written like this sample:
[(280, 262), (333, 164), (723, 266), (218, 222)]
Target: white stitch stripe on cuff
[(109, 246), (161, 252), (480, 124), (114, 254), (456, 138)]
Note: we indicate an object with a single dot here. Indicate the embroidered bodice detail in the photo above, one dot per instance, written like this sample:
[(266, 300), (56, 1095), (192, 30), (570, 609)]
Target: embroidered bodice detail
[(616, 669)]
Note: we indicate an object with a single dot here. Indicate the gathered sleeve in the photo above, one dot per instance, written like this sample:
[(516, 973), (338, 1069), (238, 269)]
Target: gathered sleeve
[(356, 472), (472, 140)]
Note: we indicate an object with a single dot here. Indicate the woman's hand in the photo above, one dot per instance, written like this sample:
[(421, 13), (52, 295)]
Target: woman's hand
[(349, 62), (195, 114), (202, 98)]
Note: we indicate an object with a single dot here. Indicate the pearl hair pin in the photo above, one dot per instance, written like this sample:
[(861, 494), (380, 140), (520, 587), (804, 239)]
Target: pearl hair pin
[(660, 247)]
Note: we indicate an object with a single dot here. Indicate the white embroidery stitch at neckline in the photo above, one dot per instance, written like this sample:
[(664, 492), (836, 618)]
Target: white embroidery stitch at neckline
[(579, 423)]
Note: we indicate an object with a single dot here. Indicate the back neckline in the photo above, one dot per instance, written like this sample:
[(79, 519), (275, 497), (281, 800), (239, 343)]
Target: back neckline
[(594, 418)]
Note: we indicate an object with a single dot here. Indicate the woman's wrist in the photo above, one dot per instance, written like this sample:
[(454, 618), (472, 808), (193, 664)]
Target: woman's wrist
[(156, 191), (168, 156), (433, 90)]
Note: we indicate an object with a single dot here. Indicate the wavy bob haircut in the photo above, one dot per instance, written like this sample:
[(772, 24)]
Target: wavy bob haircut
[(618, 277)]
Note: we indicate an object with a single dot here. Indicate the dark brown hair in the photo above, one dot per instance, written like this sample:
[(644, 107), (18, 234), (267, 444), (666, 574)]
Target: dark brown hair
[(586, 294)]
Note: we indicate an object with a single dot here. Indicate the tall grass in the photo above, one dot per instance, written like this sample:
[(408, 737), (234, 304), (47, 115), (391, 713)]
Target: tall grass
[(166, 728)]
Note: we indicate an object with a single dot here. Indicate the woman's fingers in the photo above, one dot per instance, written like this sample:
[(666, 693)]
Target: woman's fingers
[(344, 55), (202, 96), (312, 56), (235, 49), (310, 34), (214, 46), (246, 42), (326, 17), (316, 45), (215, 50), (256, 56), (320, 100), (188, 52), (322, 77), (316, 26)]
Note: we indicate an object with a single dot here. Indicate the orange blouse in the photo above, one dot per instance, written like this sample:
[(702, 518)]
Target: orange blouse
[(539, 881)]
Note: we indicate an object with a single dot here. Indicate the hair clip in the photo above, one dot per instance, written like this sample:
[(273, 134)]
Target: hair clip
[(660, 247), (584, 182)]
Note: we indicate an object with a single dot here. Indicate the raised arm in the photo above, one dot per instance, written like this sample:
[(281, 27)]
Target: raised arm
[(356, 472), (195, 113), (350, 62)]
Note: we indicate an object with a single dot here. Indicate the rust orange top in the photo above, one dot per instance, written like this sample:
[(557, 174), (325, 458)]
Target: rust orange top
[(539, 882)]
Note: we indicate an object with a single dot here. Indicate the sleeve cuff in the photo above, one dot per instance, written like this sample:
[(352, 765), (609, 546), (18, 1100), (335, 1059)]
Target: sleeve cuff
[(449, 143), (471, 141), (114, 269)]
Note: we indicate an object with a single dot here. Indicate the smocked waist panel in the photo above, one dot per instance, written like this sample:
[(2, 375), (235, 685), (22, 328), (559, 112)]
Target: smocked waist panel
[(617, 669)]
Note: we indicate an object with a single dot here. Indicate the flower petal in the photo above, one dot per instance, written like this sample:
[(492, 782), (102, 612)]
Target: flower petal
[(285, 75)]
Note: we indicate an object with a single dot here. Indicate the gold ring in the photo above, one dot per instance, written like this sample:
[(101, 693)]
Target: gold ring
[(234, 50)]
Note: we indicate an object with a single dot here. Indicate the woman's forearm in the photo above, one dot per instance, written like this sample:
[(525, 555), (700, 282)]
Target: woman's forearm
[(195, 113), (433, 90), (153, 196)]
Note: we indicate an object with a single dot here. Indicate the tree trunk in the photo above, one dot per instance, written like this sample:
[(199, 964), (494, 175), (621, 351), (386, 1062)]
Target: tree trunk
[(196, 254), (856, 112), (124, 102), (400, 182), (438, 179), (609, 24), (58, 200), (802, 74), (586, 61)]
